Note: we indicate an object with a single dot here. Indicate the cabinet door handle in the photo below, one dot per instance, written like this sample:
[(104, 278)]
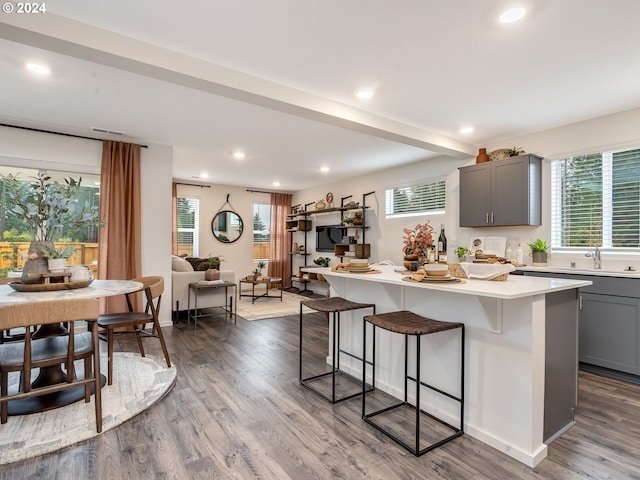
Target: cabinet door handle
[(580, 303), (491, 217), (487, 218)]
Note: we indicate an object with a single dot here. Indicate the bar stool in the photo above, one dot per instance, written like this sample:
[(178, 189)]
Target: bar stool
[(334, 305), (410, 324)]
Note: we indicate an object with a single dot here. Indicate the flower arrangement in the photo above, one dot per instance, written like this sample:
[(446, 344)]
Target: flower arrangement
[(417, 240)]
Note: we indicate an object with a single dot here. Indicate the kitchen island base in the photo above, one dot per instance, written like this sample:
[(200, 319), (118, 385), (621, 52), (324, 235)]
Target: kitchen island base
[(518, 334)]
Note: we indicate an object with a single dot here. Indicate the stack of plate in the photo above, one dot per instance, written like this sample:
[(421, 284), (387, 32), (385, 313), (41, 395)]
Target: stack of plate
[(359, 265)]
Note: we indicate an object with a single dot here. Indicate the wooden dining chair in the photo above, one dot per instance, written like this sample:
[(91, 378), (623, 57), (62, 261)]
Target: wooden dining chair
[(8, 335), (134, 323), (39, 353)]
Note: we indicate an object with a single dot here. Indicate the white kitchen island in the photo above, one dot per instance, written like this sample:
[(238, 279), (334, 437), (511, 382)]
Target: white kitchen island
[(521, 358)]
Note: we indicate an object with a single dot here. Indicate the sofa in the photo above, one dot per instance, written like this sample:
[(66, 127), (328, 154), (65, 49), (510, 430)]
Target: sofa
[(188, 270)]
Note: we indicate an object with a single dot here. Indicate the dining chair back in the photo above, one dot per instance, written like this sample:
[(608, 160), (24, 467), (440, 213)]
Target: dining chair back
[(134, 323), (38, 353)]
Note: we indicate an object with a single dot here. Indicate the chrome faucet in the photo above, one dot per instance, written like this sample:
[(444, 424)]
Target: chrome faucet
[(597, 262)]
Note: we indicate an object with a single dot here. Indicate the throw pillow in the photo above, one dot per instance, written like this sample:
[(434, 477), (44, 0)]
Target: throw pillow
[(198, 264), (180, 264)]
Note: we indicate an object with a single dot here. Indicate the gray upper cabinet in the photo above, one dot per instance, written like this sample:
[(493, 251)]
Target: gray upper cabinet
[(502, 192)]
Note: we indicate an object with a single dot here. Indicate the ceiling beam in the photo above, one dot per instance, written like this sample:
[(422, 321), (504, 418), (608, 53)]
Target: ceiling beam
[(68, 37)]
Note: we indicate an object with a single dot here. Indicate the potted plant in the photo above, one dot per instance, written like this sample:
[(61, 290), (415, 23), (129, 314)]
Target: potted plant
[(257, 272), (539, 252), (57, 258), (513, 152), (462, 252), (46, 206), (213, 272), (347, 220), (416, 241)]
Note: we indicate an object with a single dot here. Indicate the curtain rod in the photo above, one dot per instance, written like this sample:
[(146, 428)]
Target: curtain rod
[(258, 191), (57, 133), (193, 185)]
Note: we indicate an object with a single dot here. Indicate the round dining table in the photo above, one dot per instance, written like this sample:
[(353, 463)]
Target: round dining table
[(53, 375)]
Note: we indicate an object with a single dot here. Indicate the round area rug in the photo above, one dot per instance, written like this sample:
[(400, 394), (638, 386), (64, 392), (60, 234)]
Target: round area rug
[(138, 383)]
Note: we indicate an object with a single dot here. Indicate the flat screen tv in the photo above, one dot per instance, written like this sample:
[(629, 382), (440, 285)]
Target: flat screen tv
[(327, 236)]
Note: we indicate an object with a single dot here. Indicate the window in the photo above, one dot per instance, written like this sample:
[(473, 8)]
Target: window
[(596, 200), (16, 232), (261, 230), (188, 220), (427, 196)]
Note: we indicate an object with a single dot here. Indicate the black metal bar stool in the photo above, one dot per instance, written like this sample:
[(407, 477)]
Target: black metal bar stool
[(334, 305), (410, 324)]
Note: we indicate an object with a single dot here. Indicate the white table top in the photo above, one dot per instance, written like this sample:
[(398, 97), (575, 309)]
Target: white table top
[(517, 286), (97, 289)]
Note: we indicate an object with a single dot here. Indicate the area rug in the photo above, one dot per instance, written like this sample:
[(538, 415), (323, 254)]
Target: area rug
[(138, 383), (270, 307)]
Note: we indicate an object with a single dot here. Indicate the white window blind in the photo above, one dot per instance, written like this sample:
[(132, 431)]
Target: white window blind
[(596, 200), (188, 221), (426, 196)]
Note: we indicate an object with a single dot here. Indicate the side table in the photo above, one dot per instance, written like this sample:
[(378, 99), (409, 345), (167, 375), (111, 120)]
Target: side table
[(266, 281), (228, 300)]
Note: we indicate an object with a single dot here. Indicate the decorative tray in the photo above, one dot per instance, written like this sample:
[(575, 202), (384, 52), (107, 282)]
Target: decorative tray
[(48, 287), (435, 279)]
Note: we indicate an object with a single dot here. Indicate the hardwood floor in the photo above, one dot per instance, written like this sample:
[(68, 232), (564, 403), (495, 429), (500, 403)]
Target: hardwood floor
[(238, 412)]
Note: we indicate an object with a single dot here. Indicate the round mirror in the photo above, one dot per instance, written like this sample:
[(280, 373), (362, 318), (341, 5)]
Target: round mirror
[(227, 226)]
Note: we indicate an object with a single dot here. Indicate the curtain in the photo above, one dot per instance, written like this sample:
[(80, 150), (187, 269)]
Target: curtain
[(279, 243), (119, 241), (174, 218)]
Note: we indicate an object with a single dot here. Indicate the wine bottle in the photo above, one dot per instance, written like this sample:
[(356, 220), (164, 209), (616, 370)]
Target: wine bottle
[(442, 246)]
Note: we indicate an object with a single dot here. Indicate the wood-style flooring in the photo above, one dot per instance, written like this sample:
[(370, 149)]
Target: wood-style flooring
[(238, 412)]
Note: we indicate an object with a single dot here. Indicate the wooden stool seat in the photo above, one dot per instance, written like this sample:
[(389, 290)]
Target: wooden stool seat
[(409, 323), (333, 305)]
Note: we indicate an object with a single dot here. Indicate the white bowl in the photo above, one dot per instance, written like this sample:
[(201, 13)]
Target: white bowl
[(436, 269)]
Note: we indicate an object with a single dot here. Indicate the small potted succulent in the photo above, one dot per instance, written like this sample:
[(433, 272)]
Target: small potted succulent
[(539, 252), (57, 258)]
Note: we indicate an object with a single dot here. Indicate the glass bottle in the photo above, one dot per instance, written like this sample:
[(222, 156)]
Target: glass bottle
[(442, 246)]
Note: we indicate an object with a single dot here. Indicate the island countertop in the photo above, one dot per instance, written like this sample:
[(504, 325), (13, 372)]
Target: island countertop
[(517, 286)]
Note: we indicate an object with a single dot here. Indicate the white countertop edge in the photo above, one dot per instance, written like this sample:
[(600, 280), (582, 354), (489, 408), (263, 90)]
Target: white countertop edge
[(516, 286), (579, 271)]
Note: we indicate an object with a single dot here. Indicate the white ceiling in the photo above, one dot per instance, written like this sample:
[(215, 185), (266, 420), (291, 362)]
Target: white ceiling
[(276, 78)]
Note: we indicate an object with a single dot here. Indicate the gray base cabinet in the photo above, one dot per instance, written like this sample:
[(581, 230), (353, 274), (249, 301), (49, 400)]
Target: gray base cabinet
[(502, 192), (609, 321), (609, 332)]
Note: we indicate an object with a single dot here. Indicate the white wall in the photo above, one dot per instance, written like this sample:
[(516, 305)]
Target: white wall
[(23, 148)]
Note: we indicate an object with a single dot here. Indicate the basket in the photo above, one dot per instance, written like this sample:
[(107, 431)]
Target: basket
[(456, 270), (481, 271)]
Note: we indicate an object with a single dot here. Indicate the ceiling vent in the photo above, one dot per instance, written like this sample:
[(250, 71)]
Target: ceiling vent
[(106, 130)]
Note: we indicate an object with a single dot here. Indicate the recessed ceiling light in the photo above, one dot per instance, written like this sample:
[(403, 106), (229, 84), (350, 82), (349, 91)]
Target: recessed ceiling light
[(204, 175), (238, 155), (466, 130), (276, 183), (324, 169), (364, 93), (512, 15), (37, 68)]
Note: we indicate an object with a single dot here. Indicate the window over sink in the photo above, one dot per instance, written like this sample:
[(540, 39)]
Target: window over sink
[(595, 200)]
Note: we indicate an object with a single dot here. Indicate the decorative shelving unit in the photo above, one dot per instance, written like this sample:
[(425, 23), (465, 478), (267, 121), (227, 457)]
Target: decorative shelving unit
[(299, 222)]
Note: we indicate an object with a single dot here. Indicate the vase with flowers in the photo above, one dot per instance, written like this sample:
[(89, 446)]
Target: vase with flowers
[(416, 242)]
